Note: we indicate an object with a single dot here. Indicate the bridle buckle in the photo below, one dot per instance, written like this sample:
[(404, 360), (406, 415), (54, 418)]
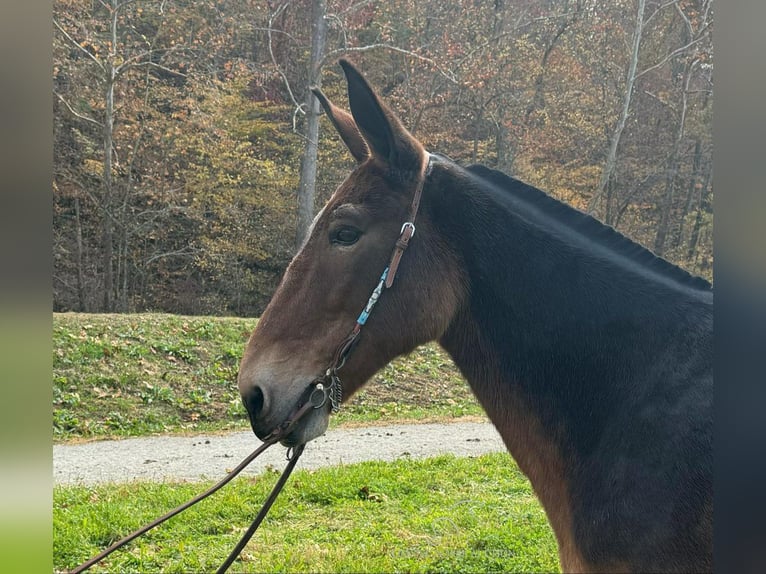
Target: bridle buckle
[(407, 224)]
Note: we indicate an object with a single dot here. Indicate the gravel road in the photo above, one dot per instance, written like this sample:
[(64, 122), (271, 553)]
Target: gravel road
[(211, 457)]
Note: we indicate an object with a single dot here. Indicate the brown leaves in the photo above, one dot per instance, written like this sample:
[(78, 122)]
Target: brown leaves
[(365, 494)]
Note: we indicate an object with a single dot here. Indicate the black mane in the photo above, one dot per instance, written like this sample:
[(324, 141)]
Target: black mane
[(589, 226)]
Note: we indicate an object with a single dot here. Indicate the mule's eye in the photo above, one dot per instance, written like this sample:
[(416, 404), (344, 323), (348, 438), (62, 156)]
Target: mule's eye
[(345, 236)]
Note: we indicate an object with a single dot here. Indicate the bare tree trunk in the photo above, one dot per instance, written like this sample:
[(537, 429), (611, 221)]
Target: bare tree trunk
[(691, 188), (538, 98), (124, 289), (702, 208), (608, 208), (503, 148), (80, 271), (106, 203), (307, 185), (611, 156), (666, 208), (117, 270)]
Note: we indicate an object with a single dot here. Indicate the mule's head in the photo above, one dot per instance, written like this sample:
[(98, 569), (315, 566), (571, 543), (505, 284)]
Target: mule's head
[(329, 281)]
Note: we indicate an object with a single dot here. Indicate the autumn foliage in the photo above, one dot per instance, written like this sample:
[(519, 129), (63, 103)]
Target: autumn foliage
[(194, 209)]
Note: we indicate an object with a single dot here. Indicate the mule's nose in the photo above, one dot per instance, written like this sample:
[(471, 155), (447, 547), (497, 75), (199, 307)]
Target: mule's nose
[(253, 401)]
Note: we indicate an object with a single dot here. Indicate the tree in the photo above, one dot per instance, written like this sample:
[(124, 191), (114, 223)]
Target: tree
[(123, 69), (614, 141), (307, 185), (182, 140), (237, 168), (695, 29), (342, 23), (120, 43)]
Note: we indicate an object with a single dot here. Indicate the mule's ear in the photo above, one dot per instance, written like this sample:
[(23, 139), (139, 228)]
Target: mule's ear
[(386, 137), (344, 123)]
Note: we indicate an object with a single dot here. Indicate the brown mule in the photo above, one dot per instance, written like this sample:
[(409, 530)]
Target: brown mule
[(591, 356)]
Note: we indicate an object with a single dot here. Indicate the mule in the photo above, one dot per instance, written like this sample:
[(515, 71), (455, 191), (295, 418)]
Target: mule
[(591, 356)]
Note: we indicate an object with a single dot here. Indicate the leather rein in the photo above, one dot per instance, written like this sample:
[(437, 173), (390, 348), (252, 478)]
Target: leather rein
[(322, 389)]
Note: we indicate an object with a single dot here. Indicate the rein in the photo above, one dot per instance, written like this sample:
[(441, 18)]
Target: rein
[(322, 389), (317, 398)]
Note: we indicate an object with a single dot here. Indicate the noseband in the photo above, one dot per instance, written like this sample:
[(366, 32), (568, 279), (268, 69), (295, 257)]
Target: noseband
[(330, 383)]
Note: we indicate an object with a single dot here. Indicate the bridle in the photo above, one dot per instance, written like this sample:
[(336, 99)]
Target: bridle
[(330, 381), (319, 391)]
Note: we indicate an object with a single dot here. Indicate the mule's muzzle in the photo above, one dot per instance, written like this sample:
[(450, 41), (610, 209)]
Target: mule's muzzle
[(312, 408)]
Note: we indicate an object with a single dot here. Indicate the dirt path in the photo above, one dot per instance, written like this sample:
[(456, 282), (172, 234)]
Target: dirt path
[(210, 457)]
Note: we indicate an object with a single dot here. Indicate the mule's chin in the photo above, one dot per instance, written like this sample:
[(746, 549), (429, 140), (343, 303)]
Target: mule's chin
[(312, 426)]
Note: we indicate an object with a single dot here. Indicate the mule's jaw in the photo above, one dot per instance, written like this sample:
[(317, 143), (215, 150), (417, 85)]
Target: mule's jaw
[(312, 426)]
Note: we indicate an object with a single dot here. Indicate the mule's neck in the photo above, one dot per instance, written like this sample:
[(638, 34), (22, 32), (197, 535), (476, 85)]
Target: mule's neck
[(556, 330), (548, 312)]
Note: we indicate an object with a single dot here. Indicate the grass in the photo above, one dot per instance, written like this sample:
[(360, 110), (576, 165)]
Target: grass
[(126, 375), (139, 374), (440, 514)]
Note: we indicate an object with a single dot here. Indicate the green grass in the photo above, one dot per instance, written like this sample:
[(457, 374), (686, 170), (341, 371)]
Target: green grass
[(127, 375), (440, 514)]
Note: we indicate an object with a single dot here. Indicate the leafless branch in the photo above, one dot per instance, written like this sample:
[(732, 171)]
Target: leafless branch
[(184, 252), (75, 113), (275, 31), (136, 60), (120, 5), (63, 282), (137, 143), (353, 7), (656, 97), (497, 37), (707, 5), (703, 34), (342, 28), (685, 19), (159, 67), (270, 29), (368, 47), (78, 46), (150, 215), (659, 9), (614, 141)]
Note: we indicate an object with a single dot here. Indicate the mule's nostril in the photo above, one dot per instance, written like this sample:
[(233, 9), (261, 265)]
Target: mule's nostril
[(253, 402)]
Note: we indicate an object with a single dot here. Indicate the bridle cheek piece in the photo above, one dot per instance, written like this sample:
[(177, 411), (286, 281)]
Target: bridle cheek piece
[(330, 384)]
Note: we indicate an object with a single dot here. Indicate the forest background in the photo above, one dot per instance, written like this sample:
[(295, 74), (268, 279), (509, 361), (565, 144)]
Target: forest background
[(186, 142)]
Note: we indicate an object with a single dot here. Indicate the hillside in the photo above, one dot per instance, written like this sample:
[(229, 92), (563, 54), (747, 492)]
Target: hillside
[(126, 375)]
